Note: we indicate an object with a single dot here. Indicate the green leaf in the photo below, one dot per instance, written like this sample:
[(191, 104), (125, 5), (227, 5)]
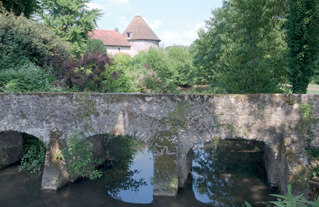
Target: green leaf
[(290, 197), (247, 204)]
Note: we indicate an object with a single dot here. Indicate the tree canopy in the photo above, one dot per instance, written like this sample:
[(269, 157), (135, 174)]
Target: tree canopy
[(71, 20), (95, 44), (243, 49), (303, 42), (23, 41), (27, 7)]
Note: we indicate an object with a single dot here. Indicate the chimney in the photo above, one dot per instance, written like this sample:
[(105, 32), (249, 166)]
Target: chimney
[(117, 30)]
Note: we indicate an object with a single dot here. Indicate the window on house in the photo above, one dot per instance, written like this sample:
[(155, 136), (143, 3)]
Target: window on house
[(128, 34), (119, 49)]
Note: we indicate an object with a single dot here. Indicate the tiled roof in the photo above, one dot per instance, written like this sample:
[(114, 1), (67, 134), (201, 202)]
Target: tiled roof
[(109, 38), (139, 30)]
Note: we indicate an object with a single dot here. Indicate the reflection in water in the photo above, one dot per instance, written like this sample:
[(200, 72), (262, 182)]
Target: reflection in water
[(230, 174), (129, 170), (134, 185), (127, 178)]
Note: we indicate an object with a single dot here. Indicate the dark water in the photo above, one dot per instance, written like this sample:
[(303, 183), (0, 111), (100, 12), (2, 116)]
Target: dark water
[(222, 177), (230, 173)]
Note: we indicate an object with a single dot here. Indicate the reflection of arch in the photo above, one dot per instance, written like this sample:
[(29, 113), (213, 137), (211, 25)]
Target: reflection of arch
[(230, 172), (272, 158), (174, 122)]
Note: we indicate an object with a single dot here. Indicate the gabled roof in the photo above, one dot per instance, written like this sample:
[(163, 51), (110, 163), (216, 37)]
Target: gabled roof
[(109, 37), (139, 30)]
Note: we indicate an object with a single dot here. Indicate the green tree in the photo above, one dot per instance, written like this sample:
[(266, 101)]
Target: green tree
[(27, 7), (303, 42), (71, 20), (181, 62), (158, 60), (243, 48), (95, 44), (22, 41)]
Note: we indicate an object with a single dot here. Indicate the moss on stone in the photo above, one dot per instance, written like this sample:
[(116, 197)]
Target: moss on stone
[(179, 117), (301, 174), (165, 168), (164, 139), (22, 115), (86, 105)]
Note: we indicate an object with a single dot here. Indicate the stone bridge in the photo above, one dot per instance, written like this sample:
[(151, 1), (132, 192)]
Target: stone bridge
[(170, 124)]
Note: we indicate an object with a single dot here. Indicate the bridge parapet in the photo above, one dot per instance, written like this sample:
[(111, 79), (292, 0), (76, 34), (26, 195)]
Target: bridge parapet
[(171, 125)]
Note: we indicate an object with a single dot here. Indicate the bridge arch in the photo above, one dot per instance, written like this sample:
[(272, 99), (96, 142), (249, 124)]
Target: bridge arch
[(172, 123)]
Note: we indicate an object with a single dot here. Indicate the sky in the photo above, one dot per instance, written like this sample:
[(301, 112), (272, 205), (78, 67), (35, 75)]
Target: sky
[(173, 21)]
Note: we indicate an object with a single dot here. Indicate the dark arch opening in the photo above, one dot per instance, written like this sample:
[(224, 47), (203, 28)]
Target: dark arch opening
[(121, 162), (22, 167), (228, 172), (23, 149), (11, 148), (34, 151)]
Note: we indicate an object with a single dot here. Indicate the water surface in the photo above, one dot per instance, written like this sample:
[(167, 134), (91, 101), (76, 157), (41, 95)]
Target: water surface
[(225, 176)]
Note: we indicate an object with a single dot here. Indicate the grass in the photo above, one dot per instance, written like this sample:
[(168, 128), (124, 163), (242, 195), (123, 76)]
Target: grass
[(312, 92), (313, 86), (312, 89)]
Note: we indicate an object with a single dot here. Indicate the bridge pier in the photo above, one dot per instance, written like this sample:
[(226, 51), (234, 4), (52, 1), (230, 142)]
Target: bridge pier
[(294, 167), (165, 163), (182, 121), (185, 160), (55, 175)]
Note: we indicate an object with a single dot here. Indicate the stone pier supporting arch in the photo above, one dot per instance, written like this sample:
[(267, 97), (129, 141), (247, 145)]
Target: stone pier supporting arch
[(171, 124)]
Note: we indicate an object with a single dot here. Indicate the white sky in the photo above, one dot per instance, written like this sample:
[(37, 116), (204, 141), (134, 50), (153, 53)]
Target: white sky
[(173, 21)]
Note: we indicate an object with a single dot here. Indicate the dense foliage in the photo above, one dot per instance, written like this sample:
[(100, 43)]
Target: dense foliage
[(71, 20), (303, 42), (22, 40), (28, 78), (243, 49), (181, 62), (254, 46), (27, 7), (289, 201), (79, 157), (95, 44), (83, 73), (33, 155)]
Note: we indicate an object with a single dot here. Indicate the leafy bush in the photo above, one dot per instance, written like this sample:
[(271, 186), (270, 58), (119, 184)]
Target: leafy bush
[(79, 157), (158, 60), (84, 74), (28, 78), (316, 79), (33, 155), (181, 62), (289, 201), (154, 83), (124, 76), (22, 40), (95, 44)]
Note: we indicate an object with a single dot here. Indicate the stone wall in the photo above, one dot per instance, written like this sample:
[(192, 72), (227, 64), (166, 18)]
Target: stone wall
[(141, 45), (115, 50), (10, 148), (171, 124)]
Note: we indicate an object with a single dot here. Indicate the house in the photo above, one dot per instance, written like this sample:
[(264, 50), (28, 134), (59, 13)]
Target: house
[(137, 36)]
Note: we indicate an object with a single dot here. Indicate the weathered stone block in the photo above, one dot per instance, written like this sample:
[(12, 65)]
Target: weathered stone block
[(11, 149)]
